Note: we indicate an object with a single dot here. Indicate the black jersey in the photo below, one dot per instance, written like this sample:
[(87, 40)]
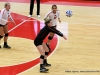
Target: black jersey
[(45, 31)]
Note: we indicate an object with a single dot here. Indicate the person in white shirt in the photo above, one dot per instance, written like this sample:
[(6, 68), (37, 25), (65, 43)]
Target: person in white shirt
[(5, 19), (53, 15)]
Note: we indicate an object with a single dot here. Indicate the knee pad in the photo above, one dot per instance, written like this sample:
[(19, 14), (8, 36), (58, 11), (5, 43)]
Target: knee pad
[(41, 57), (6, 35), (1, 36), (50, 38), (46, 53)]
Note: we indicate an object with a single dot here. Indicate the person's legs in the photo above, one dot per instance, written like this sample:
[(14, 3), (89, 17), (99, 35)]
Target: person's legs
[(38, 8), (51, 35), (1, 33), (46, 54), (31, 7), (42, 56), (6, 36)]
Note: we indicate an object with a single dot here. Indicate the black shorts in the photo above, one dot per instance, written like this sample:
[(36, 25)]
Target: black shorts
[(38, 42), (2, 25)]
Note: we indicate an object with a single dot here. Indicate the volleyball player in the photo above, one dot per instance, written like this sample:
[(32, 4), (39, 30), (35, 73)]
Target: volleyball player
[(5, 19), (41, 46), (53, 15)]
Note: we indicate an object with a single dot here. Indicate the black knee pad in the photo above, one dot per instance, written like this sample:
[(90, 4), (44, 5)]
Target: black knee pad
[(50, 38), (6, 35), (46, 53), (1, 36), (41, 57)]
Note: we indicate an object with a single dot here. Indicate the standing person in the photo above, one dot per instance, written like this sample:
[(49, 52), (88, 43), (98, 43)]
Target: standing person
[(32, 7), (53, 15), (41, 46), (5, 19)]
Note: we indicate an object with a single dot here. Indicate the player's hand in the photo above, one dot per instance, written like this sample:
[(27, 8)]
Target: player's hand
[(14, 23), (9, 22), (59, 21), (64, 37)]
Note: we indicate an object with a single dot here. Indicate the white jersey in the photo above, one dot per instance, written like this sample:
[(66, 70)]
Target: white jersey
[(4, 15), (53, 16)]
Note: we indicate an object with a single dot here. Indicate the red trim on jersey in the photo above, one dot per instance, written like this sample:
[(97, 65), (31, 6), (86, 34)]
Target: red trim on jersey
[(49, 13)]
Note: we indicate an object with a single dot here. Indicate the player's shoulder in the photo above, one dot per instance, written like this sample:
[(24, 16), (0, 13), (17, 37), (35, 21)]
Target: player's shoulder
[(49, 12), (3, 9)]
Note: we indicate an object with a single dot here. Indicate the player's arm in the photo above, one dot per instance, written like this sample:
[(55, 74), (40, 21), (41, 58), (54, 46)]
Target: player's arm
[(46, 16), (59, 17), (52, 29), (11, 19)]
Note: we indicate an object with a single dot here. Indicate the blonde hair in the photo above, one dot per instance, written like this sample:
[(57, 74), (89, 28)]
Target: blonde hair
[(47, 21), (5, 5)]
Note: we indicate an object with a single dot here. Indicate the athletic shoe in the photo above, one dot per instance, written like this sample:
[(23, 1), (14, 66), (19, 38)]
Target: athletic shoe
[(42, 69), (30, 16), (46, 65), (38, 16), (6, 46)]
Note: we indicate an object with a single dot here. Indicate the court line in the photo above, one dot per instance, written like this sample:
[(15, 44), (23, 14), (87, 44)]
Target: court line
[(85, 24), (38, 57), (61, 22), (14, 28)]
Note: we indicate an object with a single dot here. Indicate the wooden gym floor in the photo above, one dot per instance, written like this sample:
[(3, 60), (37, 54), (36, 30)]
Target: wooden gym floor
[(79, 53)]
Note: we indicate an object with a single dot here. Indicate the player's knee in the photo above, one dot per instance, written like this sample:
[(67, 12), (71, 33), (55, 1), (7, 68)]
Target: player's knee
[(50, 38), (46, 53), (7, 34), (41, 57), (1, 36)]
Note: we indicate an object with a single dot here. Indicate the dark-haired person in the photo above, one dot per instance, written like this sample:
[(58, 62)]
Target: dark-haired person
[(5, 19), (54, 14), (32, 7), (41, 46)]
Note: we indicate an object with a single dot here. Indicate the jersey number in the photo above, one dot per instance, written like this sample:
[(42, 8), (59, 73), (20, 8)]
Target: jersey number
[(55, 17)]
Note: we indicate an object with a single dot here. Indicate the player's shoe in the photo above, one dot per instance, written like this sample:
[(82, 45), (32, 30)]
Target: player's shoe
[(0, 46), (45, 64), (6, 46), (48, 47), (42, 69)]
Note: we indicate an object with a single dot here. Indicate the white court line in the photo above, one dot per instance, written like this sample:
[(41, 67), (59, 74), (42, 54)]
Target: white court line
[(14, 28), (88, 24), (38, 57)]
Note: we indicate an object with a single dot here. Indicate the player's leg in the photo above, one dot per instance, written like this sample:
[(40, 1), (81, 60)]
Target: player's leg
[(5, 28), (49, 40), (46, 54), (41, 50), (42, 56), (51, 35), (1, 34)]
